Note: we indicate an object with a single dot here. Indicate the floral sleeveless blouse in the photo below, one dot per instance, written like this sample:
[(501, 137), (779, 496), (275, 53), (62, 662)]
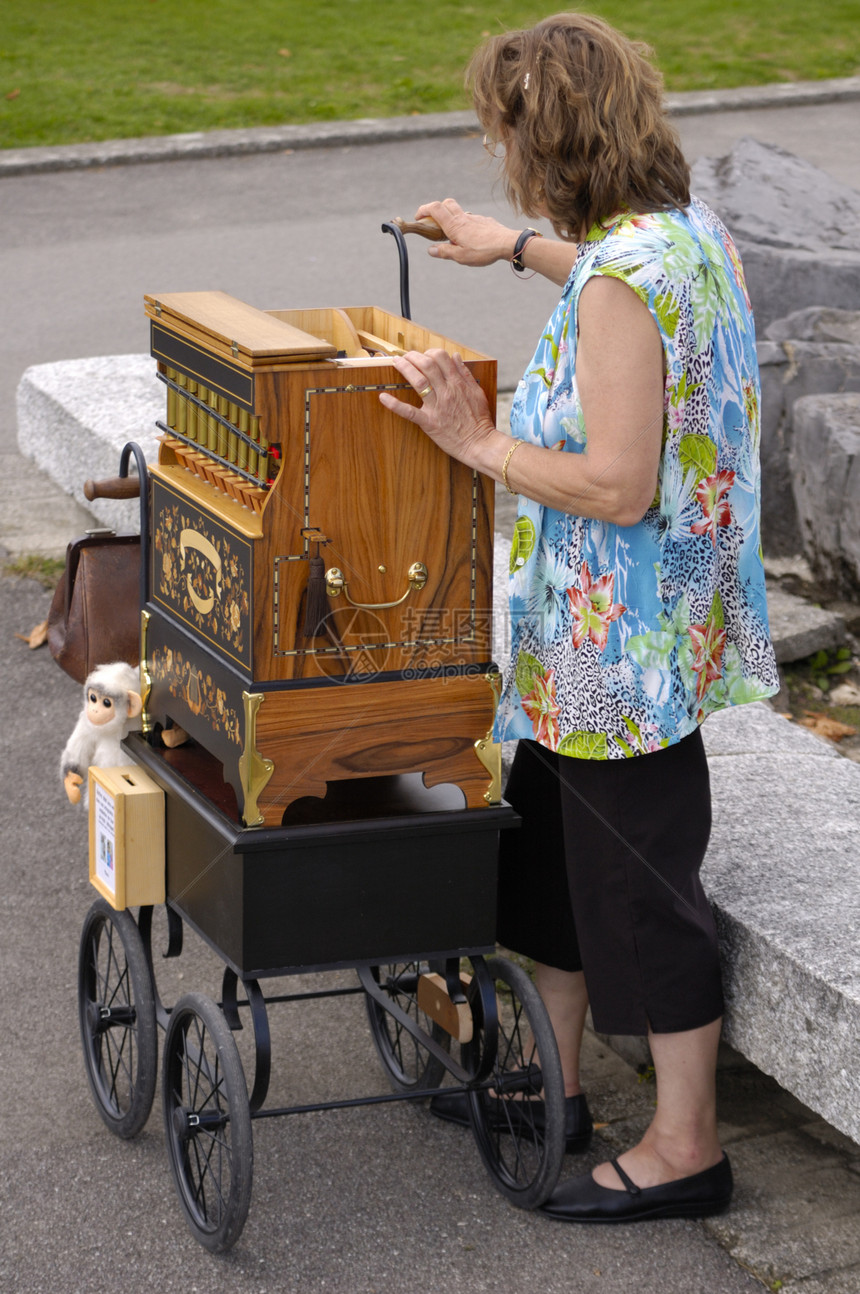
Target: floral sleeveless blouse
[(625, 638)]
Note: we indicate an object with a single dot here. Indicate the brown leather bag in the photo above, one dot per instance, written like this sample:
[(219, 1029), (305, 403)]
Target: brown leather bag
[(95, 612)]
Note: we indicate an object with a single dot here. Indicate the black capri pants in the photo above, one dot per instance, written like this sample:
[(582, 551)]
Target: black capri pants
[(603, 876)]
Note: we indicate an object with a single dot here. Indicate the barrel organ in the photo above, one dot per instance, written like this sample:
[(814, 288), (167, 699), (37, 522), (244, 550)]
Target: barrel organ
[(320, 572)]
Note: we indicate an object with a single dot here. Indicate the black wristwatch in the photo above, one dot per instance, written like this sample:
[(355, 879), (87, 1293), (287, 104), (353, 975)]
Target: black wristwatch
[(519, 247)]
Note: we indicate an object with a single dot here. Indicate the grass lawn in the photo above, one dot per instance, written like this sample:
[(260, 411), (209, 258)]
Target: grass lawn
[(75, 70)]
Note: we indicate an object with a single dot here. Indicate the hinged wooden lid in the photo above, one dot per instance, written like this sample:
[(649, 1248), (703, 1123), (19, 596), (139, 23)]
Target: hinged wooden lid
[(236, 329)]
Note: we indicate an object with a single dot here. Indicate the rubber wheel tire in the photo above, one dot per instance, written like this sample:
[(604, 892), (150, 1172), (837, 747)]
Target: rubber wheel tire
[(207, 1122), (116, 1011), (408, 1065), (522, 1154)]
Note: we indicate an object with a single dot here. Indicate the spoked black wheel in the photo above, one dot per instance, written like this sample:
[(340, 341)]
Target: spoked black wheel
[(518, 1121), (116, 1010), (408, 1064), (207, 1122)]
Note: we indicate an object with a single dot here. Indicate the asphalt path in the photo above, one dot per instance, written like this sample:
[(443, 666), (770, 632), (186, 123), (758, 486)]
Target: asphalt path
[(379, 1201), (80, 248)]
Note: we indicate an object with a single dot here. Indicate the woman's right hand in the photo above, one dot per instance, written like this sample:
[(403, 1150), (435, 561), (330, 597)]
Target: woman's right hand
[(472, 240)]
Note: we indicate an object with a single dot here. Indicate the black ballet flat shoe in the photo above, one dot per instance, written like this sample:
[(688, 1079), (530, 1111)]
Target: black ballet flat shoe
[(578, 1124), (453, 1107), (699, 1196)]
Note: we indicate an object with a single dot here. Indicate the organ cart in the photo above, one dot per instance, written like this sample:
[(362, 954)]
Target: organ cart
[(316, 594)]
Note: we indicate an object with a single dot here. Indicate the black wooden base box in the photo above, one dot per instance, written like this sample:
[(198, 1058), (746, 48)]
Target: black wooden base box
[(380, 871)]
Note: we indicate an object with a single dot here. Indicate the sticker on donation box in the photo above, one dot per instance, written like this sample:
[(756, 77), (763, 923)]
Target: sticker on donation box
[(105, 842)]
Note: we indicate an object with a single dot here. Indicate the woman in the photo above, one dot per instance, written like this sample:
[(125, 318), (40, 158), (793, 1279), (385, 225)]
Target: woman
[(637, 589)]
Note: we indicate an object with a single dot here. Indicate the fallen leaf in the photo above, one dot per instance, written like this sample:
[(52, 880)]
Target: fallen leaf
[(824, 726), (13, 94), (37, 637)]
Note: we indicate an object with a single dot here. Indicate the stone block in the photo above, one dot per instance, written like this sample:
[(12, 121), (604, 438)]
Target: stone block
[(814, 363), (755, 730), (75, 416), (819, 324), (781, 875), (778, 278), (778, 510), (825, 466), (797, 229), (795, 565), (850, 613), (798, 628)]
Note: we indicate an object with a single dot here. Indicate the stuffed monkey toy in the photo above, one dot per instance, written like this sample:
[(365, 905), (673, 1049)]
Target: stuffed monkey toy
[(111, 704)]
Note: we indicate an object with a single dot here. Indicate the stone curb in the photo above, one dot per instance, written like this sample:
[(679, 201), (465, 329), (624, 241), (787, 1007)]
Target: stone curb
[(371, 130)]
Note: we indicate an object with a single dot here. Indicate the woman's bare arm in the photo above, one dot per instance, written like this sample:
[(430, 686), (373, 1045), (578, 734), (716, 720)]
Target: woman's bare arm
[(619, 372), (482, 240)]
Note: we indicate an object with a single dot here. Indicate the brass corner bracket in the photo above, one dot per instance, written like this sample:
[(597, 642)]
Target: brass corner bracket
[(145, 676), (489, 752), (254, 770)]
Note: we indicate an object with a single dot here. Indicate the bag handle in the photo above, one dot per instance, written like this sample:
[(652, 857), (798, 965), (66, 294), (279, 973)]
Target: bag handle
[(91, 539)]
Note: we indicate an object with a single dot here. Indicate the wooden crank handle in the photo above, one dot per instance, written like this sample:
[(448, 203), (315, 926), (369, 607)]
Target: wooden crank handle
[(426, 227), (115, 487)]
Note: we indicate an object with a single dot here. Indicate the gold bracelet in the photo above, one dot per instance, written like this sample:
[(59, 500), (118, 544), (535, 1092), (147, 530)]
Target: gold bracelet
[(508, 456)]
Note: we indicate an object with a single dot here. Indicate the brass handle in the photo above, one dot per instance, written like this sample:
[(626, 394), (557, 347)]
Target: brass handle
[(335, 584), (426, 227)]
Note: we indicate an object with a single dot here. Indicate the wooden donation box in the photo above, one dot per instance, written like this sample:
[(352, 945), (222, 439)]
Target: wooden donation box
[(321, 573), (126, 809)]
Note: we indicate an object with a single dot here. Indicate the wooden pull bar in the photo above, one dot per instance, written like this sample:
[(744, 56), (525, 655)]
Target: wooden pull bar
[(115, 487), (426, 227)]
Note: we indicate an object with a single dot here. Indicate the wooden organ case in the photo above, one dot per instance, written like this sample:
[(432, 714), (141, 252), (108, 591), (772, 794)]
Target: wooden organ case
[(320, 572)]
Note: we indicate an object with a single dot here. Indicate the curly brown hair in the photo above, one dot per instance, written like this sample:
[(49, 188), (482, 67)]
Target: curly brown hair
[(579, 109)]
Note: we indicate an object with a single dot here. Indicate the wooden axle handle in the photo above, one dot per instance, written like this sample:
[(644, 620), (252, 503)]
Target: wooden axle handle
[(115, 487), (426, 227)]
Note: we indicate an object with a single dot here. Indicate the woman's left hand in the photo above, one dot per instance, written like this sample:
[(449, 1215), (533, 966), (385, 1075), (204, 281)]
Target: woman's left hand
[(454, 411)]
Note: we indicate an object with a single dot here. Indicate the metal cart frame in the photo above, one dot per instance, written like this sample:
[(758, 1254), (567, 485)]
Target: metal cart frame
[(348, 893)]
